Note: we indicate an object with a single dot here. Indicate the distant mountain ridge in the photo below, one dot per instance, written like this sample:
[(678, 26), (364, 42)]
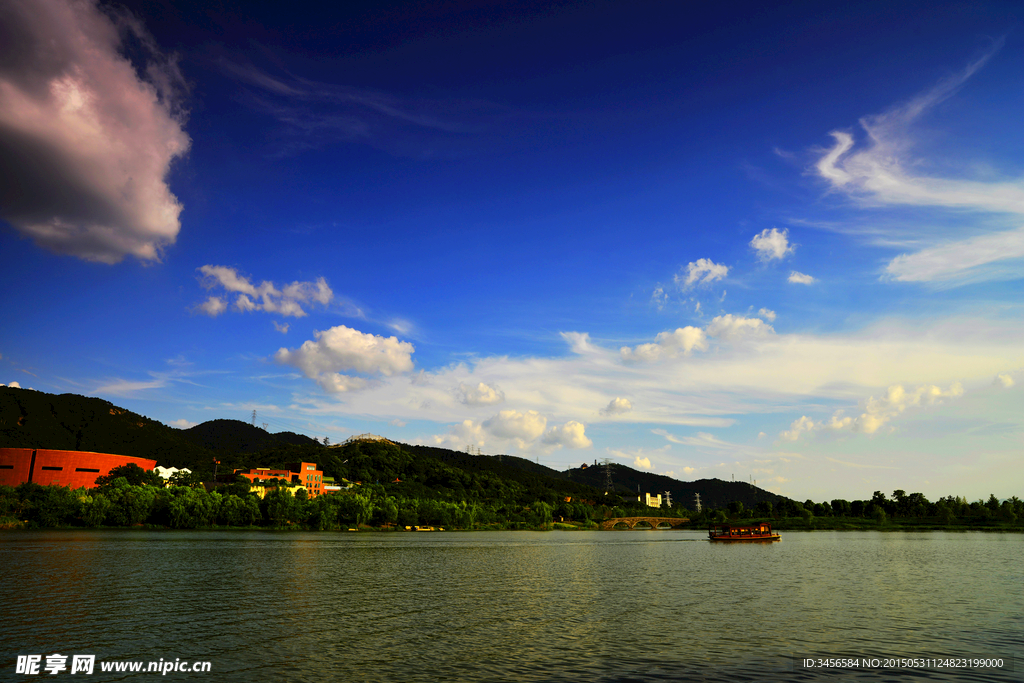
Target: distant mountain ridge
[(235, 436)]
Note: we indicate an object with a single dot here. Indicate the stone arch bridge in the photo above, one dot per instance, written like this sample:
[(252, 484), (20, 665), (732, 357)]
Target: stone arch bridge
[(654, 522)]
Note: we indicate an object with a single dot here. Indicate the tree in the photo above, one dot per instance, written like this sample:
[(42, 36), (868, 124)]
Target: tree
[(129, 505), (190, 508), (183, 478), (133, 474), (279, 506)]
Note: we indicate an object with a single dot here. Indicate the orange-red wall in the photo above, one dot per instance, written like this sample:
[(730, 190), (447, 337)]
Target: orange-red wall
[(62, 468)]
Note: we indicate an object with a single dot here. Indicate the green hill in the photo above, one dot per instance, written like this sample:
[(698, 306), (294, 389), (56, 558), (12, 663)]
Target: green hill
[(234, 436), (34, 419)]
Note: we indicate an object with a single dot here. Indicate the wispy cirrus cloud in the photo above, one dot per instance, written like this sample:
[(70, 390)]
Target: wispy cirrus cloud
[(883, 172), (313, 114)]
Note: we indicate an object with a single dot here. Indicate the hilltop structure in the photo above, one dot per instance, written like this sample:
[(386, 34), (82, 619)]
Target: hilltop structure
[(363, 437)]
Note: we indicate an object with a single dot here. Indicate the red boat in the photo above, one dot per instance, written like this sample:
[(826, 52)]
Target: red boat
[(742, 532)]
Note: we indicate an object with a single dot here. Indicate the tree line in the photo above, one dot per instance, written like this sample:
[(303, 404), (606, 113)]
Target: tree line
[(901, 509)]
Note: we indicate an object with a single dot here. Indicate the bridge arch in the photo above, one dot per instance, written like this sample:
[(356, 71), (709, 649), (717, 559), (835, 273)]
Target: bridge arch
[(648, 522)]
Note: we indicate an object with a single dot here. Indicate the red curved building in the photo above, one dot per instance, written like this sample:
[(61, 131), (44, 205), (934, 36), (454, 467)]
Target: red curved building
[(61, 468)]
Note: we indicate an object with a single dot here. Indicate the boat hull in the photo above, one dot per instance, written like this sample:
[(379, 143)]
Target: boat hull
[(745, 539)]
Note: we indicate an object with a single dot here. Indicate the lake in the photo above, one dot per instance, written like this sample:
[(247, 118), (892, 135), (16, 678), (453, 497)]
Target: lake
[(513, 606)]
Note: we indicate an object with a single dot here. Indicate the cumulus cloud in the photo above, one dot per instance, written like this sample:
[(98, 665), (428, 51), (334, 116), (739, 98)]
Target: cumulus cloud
[(181, 424), (801, 278), (771, 244), (512, 424), (767, 314), (731, 327), (1004, 379), (286, 300), (524, 430), (283, 329), (617, 406), (213, 306), (13, 385), (342, 348), (877, 411), (479, 395), (85, 142), (701, 272), (642, 463), (570, 435), (667, 345)]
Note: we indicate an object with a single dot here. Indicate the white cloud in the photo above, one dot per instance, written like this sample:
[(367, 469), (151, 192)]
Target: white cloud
[(512, 424), (702, 440), (642, 463), (801, 278), (283, 329), (767, 314), (181, 424), (617, 406), (337, 383), (85, 143), (126, 388), (524, 430), (706, 391), (479, 395), (959, 259), (884, 173), (214, 306), (730, 327), (877, 412), (659, 298), (400, 326), (701, 272), (13, 385), (771, 244), (285, 300), (667, 345), (1005, 379), (342, 348), (579, 342), (570, 435)]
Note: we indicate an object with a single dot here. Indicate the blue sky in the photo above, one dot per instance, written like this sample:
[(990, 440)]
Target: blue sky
[(779, 243)]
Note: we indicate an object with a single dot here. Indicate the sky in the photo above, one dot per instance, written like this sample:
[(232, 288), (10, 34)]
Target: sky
[(770, 242)]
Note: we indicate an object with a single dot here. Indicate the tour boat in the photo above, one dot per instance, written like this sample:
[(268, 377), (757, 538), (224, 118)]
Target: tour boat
[(742, 532)]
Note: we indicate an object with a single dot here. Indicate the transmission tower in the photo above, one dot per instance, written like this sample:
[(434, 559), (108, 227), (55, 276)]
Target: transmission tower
[(265, 425), (607, 462), (254, 417), (668, 498), (697, 496)]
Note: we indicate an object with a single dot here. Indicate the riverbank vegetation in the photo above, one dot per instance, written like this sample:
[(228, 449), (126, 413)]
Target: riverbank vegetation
[(901, 512)]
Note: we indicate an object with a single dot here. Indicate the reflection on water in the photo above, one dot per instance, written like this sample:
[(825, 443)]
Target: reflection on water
[(516, 606)]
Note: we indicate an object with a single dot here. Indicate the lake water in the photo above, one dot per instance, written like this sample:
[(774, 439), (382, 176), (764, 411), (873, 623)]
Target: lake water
[(512, 606)]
